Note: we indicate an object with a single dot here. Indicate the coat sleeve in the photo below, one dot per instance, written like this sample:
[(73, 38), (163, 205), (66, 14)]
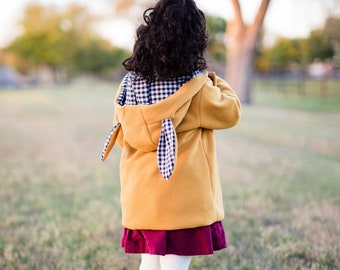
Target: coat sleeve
[(219, 105)]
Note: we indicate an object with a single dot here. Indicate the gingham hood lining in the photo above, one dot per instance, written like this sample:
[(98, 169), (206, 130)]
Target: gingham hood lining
[(149, 112), (142, 106)]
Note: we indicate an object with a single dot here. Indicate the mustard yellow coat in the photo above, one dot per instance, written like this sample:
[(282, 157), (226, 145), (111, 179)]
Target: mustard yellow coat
[(192, 197)]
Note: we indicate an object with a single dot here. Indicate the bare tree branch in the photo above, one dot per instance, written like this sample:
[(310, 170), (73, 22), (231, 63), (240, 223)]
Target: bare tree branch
[(238, 12), (259, 18), (241, 47)]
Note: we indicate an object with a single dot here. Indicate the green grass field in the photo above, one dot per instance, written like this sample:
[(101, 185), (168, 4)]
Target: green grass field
[(310, 95), (280, 170)]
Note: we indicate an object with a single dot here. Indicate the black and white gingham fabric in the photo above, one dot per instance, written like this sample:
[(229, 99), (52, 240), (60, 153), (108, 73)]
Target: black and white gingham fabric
[(136, 90), (108, 138), (166, 149)]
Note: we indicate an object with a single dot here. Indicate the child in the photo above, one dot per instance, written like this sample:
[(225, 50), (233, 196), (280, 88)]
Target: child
[(166, 110)]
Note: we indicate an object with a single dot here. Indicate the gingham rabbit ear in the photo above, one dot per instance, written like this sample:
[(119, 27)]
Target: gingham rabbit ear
[(166, 151), (110, 140)]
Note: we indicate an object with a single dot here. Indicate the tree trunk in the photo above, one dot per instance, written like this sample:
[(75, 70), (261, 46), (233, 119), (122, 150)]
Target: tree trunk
[(241, 44), (239, 63)]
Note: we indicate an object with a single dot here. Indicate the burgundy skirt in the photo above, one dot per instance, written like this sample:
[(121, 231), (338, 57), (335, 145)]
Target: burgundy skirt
[(186, 242)]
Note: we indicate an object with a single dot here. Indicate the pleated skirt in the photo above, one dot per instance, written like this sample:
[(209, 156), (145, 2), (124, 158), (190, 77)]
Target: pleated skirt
[(185, 242)]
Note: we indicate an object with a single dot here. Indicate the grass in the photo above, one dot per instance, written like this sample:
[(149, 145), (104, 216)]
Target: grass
[(60, 205), (310, 95)]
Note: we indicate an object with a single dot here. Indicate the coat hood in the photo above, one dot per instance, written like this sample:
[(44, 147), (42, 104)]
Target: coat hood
[(142, 124)]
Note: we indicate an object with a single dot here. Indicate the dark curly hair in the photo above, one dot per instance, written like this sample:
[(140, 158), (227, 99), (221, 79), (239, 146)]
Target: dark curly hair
[(172, 41)]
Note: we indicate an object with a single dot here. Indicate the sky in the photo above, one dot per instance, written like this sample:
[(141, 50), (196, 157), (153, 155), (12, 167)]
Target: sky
[(289, 18)]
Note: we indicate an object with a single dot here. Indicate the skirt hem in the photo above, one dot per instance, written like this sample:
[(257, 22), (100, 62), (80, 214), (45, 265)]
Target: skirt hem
[(186, 242)]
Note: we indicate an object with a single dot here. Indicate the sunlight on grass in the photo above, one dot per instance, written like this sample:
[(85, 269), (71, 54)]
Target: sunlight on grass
[(60, 205)]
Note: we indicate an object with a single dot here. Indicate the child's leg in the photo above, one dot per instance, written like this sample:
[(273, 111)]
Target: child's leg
[(175, 262), (150, 262)]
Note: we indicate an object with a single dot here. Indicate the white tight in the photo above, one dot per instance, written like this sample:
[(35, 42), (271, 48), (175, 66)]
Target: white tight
[(167, 262)]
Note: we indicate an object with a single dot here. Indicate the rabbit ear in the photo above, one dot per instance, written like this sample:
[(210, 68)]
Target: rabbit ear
[(166, 150), (110, 140)]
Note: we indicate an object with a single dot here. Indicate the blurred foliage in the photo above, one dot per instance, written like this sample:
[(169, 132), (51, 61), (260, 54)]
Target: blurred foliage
[(42, 38), (95, 56), (216, 30), (331, 29), (322, 45), (283, 53), (64, 40)]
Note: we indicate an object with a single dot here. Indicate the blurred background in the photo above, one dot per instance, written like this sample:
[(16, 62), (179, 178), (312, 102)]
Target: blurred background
[(53, 41), (60, 66)]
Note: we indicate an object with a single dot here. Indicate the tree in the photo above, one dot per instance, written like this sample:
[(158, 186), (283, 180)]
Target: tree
[(320, 46), (41, 39), (284, 52), (331, 28), (241, 45), (64, 40), (216, 31), (96, 56)]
